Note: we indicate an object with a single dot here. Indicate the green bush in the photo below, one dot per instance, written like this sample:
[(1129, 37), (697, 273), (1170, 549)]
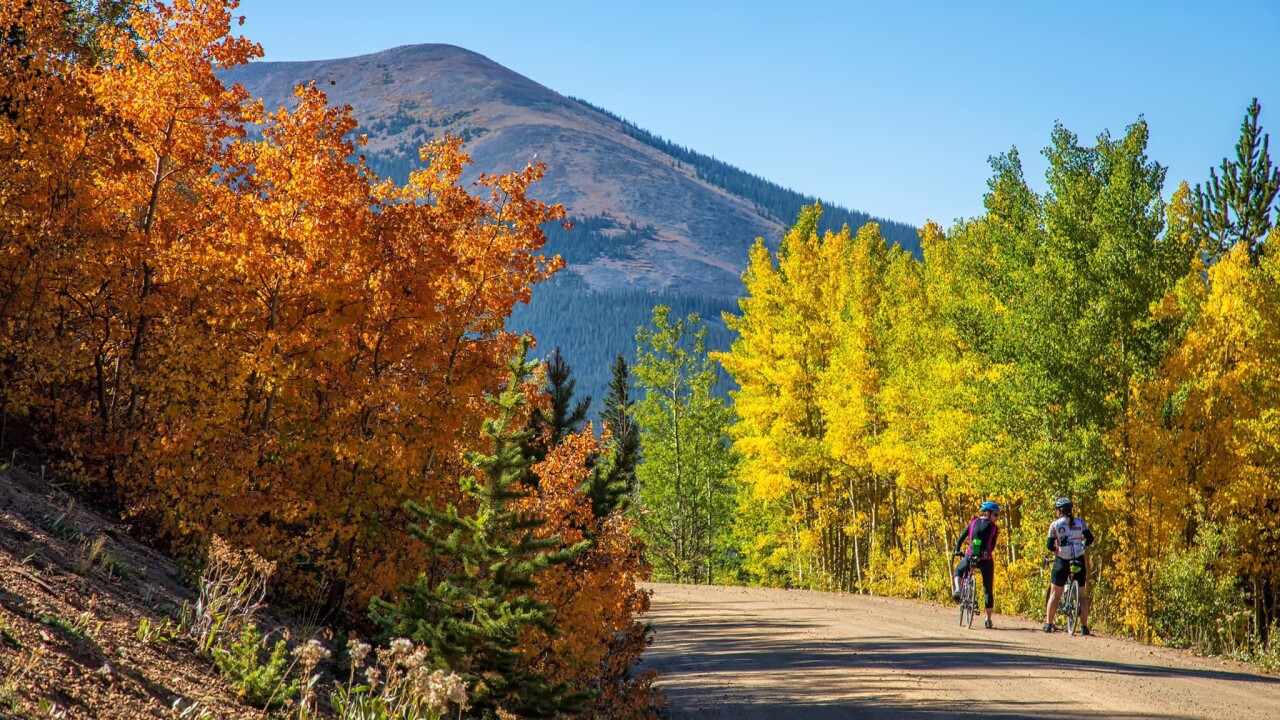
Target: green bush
[(1200, 606), (1266, 655), (261, 684)]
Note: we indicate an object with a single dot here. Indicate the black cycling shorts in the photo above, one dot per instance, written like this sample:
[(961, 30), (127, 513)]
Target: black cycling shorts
[(985, 567), (1062, 568)]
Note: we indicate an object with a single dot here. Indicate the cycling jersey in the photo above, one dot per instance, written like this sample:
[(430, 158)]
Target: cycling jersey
[(984, 530), (1069, 540)]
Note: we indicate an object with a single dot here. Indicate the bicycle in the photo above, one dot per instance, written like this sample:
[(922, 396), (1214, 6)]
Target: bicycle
[(1069, 603), (968, 597)]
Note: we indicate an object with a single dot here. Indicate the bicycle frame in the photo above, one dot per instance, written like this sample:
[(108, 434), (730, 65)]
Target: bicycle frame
[(968, 597)]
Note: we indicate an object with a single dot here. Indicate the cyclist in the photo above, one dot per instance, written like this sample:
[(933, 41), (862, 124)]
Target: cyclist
[(1068, 537), (981, 532)]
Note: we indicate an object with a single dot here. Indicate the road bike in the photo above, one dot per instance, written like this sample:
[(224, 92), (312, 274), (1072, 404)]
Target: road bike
[(1069, 603), (968, 597)]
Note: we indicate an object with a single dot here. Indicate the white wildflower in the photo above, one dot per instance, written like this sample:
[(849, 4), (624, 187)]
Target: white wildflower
[(456, 689), (401, 647), (311, 653), (359, 651)]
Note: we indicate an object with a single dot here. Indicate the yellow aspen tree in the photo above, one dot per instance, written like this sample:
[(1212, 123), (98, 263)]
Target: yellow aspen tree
[(925, 400), (792, 522), (852, 501)]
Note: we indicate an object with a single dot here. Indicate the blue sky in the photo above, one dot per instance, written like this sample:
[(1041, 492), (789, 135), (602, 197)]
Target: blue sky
[(889, 108)]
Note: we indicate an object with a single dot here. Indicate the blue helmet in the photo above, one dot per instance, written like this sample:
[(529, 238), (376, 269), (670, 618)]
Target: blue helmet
[(989, 506)]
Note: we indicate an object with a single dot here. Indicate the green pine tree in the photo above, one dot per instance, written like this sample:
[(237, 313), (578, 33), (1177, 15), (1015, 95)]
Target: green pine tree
[(1236, 208), (472, 619), (613, 479), (565, 416)]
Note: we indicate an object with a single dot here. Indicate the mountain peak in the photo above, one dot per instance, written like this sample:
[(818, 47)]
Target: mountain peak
[(655, 222), (652, 215)]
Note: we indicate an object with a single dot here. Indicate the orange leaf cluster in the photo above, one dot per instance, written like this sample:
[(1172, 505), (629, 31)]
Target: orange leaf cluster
[(595, 597)]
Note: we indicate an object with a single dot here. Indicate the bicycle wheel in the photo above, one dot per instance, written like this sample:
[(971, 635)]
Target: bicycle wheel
[(1071, 609), (970, 602)]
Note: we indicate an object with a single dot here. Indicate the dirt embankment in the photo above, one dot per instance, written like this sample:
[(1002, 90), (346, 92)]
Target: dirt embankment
[(748, 653), (74, 591)]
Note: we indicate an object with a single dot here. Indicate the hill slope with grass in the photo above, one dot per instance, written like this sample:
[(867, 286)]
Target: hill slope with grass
[(87, 618), (95, 625)]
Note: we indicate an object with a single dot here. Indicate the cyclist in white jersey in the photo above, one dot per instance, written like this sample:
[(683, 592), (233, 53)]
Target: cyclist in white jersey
[(1068, 537)]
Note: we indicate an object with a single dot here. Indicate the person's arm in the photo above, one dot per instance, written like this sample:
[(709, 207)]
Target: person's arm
[(960, 540), (1088, 536), (1048, 541)]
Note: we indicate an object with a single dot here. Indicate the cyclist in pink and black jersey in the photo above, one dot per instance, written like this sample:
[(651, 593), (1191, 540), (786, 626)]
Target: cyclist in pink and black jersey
[(1068, 537), (981, 532)]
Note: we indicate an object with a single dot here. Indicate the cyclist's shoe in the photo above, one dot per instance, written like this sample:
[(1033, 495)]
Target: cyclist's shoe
[(1084, 630), (1049, 628), (955, 597), (988, 623)]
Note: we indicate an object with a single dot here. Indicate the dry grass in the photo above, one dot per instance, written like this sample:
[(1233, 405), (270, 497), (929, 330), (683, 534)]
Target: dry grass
[(83, 613)]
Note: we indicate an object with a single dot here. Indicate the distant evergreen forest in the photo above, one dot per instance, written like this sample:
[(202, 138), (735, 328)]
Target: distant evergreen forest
[(781, 203), (592, 326), (595, 235)]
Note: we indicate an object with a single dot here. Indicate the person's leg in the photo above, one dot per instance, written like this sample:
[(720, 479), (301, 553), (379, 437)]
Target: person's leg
[(1085, 594), (1051, 610), (955, 578), (988, 568), (1057, 580)]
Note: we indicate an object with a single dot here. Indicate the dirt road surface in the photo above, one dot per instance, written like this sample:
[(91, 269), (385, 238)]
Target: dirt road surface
[(751, 653)]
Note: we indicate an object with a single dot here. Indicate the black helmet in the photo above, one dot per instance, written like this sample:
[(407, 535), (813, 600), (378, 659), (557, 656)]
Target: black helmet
[(1063, 504)]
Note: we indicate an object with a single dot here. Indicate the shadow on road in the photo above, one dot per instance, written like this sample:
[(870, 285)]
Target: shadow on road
[(757, 645), (895, 709), (795, 669)]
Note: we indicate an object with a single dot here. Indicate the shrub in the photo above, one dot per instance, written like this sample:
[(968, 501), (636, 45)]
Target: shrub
[(232, 588), (400, 685), (261, 682), (1198, 603)]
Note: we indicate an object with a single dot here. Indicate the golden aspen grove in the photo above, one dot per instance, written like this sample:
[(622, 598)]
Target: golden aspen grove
[(216, 317), (1091, 341)]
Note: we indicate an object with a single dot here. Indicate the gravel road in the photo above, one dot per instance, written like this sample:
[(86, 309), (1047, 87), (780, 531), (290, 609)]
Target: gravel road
[(750, 653)]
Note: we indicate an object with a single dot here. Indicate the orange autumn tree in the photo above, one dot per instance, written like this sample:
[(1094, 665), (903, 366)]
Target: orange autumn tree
[(594, 597), (46, 118), (166, 120), (366, 320), (103, 180)]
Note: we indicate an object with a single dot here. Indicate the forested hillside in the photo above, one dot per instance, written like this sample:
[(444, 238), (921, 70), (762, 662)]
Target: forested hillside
[(592, 327), (648, 215), (781, 203)]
